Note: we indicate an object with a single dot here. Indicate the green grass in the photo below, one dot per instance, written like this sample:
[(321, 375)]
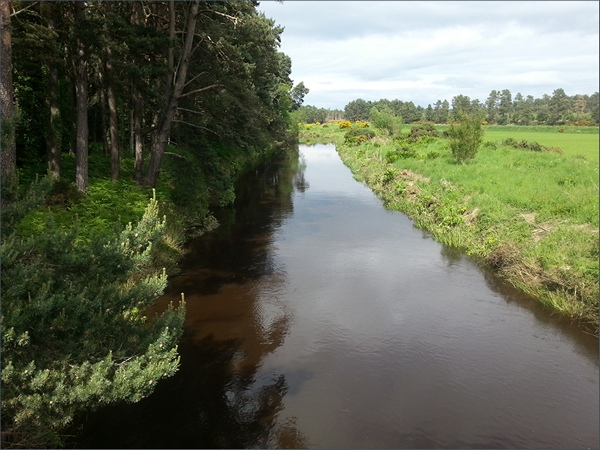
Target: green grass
[(571, 143), (533, 216)]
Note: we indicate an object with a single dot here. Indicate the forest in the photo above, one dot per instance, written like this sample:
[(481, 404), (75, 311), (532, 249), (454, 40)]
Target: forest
[(123, 124)]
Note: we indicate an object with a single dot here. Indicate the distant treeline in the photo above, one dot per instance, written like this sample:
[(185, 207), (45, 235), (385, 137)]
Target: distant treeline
[(499, 108)]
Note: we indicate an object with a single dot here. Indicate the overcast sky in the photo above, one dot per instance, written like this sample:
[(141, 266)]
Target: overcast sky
[(422, 51)]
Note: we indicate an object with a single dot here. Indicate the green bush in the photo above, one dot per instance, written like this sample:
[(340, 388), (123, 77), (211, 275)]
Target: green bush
[(466, 137), (529, 145), (421, 130), (358, 135), (384, 119)]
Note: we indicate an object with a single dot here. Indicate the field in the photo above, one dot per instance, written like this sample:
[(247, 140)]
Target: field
[(571, 142), (531, 215)]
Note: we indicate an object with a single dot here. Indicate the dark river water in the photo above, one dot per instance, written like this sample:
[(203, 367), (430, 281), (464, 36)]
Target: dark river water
[(317, 318)]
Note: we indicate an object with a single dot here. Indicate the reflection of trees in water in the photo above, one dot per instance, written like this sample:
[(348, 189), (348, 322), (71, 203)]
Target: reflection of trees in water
[(220, 398), (300, 182)]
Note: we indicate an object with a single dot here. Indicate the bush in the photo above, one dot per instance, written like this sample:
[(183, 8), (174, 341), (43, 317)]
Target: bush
[(421, 130), (529, 145), (358, 135), (465, 137), (384, 119)]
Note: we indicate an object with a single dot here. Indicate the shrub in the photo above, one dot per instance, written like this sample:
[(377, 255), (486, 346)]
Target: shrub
[(465, 137), (384, 119), (358, 135), (345, 124), (531, 146), (421, 130)]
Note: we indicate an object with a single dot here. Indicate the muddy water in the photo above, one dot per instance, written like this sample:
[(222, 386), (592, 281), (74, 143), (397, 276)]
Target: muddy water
[(316, 318)]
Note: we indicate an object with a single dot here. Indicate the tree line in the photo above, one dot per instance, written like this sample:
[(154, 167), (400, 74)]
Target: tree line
[(136, 77), (500, 108)]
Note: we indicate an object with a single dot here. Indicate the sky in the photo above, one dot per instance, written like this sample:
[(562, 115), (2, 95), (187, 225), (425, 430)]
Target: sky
[(424, 51)]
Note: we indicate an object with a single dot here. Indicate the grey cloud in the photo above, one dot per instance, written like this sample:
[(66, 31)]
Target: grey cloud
[(527, 46)]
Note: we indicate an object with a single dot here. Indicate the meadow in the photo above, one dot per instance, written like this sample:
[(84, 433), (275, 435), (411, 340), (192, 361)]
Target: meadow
[(530, 215)]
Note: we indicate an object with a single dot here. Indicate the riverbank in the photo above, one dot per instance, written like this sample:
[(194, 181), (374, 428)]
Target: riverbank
[(532, 216)]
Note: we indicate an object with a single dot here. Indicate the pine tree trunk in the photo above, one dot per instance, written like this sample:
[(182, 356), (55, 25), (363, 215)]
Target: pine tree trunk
[(53, 140), (9, 154), (112, 116), (137, 136), (161, 136), (81, 104), (112, 109)]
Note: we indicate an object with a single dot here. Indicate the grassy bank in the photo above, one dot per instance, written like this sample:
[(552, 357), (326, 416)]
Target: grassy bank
[(531, 215)]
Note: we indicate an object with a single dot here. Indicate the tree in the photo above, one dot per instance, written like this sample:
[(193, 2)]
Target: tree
[(466, 137), (53, 140), (70, 345), (558, 107), (504, 107), (357, 110), (429, 113), (491, 106), (9, 156), (81, 95), (298, 93), (174, 93), (441, 111), (461, 104)]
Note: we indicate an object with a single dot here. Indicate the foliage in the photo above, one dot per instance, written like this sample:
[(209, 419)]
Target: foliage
[(421, 130), (357, 110), (532, 146), (466, 137), (358, 135), (384, 119), (74, 336)]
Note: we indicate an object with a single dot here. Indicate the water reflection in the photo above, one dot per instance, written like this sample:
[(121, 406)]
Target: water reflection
[(233, 287)]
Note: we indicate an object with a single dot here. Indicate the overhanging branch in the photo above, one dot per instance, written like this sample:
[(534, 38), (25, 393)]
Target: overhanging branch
[(195, 91)]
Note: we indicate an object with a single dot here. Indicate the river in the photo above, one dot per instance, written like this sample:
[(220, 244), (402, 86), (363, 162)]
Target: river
[(317, 318)]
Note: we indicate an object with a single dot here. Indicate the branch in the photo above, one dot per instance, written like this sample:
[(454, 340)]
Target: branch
[(234, 19), (175, 154), (199, 75), (197, 126), (195, 91), (189, 110), (15, 12)]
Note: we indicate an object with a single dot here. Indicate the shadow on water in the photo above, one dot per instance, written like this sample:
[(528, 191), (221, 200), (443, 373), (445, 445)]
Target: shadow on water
[(218, 398)]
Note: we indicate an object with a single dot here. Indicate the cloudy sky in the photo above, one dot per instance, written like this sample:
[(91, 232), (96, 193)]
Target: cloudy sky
[(422, 51)]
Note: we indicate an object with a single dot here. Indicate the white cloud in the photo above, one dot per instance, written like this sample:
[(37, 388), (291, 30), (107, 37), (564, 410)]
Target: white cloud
[(425, 51)]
